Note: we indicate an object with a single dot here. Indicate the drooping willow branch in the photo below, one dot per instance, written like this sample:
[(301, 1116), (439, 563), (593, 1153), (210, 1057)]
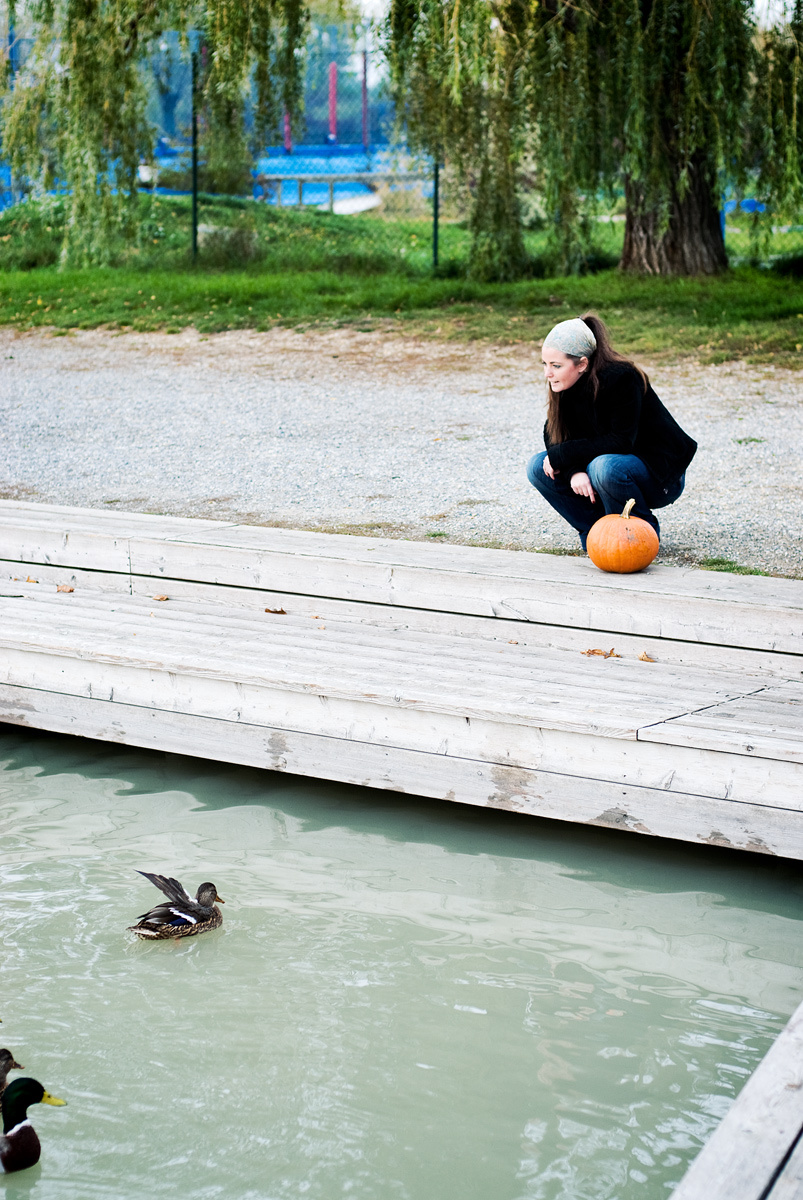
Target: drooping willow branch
[(75, 115), (666, 100)]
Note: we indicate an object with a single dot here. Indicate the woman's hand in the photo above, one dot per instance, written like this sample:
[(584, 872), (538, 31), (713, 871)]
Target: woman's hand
[(549, 470), (581, 484)]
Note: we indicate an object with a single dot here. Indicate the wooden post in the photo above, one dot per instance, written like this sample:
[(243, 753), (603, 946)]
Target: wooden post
[(435, 207), (365, 130), (331, 196), (194, 156), (300, 193), (333, 102)]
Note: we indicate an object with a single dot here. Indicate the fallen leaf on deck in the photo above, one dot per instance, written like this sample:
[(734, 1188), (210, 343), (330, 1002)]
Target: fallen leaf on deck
[(64, 587), (603, 653), (30, 580), (644, 657), (279, 612), (512, 643), (161, 597)]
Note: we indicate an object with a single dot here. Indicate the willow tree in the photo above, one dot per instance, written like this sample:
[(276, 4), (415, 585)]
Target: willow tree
[(656, 97), (455, 72), (74, 115), (776, 147), (675, 82)]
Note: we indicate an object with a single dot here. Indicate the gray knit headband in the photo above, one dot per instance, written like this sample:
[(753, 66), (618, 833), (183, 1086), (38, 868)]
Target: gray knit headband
[(572, 337)]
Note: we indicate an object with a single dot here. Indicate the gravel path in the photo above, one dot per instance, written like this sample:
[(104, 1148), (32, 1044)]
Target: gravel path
[(361, 432)]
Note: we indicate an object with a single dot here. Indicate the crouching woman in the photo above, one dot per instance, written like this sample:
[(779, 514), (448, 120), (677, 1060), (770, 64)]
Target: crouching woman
[(608, 437)]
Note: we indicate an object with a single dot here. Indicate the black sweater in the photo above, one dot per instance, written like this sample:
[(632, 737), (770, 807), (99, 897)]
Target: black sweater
[(624, 419)]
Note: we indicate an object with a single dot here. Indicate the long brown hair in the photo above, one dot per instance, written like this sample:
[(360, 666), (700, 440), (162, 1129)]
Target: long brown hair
[(602, 357)]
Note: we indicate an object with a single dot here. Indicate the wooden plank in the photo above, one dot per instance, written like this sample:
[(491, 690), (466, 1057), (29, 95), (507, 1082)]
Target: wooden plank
[(425, 671), (741, 1159), (576, 594), (775, 784), (152, 666), (405, 652), (549, 637), (789, 1184), (465, 780), (767, 724), (748, 612)]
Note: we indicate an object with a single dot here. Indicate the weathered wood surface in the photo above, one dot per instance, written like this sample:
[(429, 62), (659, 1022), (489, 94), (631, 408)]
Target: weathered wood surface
[(789, 1184), (755, 1152), (563, 735), (693, 606), (469, 780), (402, 665)]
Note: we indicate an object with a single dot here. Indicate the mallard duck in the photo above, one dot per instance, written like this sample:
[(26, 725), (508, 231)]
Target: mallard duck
[(7, 1064), (19, 1145), (181, 916)]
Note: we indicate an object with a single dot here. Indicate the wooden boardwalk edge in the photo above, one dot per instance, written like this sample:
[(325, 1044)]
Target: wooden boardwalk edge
[(535, 792), (756, 1152)]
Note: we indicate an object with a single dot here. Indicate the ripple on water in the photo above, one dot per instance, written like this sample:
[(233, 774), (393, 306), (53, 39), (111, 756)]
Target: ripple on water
[(404, 1000)]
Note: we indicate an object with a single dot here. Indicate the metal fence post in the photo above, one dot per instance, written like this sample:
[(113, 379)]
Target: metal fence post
[(435, 208), (365, 128), (194, 155)]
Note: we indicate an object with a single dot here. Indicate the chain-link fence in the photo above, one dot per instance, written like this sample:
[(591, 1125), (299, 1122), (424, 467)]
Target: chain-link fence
[(347, 189), (342, 191)]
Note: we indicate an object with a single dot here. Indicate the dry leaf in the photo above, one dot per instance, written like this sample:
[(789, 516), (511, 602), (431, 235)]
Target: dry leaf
[(279, 612), (161, 597), (30, 580), (512, 643), (64, 587), (644, 657), (602, 653)]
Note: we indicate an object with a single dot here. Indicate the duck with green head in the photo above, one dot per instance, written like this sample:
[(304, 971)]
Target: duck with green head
[(19, 1145)]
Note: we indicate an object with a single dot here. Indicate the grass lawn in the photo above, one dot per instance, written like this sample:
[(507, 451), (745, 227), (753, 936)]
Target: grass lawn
[(315, 270)]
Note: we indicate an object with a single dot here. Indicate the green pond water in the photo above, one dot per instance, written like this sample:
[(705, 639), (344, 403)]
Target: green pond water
[(406, 999)]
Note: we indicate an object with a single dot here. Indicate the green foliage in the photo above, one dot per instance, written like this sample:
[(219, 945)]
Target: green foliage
[(727, 564), (668, 99), (237, 232), (76, 111), (316, 269)]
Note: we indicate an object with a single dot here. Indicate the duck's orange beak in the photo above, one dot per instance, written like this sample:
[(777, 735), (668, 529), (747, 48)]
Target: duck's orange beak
[(218, 900)]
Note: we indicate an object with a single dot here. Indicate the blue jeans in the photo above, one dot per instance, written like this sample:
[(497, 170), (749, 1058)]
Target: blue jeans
[(616, 478)]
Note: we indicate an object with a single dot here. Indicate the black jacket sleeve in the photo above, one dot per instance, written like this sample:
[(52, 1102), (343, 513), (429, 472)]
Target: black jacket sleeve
[(619, 413)]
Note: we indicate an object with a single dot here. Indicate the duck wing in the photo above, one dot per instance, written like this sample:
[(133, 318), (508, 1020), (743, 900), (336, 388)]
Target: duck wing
[(181, 909)]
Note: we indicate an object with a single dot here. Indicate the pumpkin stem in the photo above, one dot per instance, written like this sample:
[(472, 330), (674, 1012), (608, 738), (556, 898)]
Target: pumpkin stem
[(628, 508)]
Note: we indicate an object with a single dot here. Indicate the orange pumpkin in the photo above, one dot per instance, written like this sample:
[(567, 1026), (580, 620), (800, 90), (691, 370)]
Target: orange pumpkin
[(622, 543)]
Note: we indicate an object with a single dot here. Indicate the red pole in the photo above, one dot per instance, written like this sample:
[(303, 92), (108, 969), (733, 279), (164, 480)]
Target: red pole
[(288, 137), (365, 99), (333, 102)]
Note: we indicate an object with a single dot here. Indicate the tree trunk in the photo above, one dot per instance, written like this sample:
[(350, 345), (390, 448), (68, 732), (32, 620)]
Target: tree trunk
[(690, 243), (497, 244)]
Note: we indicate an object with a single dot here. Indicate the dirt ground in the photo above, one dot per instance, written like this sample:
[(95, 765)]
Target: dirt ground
[(374, 433)]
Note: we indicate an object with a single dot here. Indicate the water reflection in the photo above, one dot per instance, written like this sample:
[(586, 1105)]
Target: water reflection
[(405, 999)]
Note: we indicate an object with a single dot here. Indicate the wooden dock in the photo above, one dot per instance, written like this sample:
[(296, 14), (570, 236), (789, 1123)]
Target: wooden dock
[(756, 1152), (445, 671)]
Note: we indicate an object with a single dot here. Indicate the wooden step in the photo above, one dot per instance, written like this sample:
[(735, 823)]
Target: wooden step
[(692, 616), (613, 741)]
